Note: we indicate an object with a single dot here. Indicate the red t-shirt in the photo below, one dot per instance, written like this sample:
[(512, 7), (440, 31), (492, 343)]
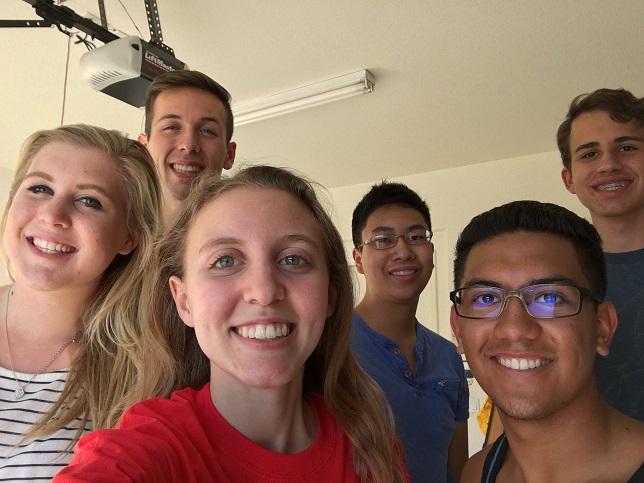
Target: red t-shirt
[(185, 439)]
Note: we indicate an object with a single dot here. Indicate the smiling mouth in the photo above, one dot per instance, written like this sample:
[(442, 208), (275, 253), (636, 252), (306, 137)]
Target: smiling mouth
[(612, 186), (50, 247), (186, 168), (403, 272), (264, 331), (522, 364)]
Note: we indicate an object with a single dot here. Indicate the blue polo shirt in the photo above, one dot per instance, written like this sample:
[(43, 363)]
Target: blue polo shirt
[(427, 404)]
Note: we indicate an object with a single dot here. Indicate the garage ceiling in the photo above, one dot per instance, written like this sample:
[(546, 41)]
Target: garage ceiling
[(457, 82)]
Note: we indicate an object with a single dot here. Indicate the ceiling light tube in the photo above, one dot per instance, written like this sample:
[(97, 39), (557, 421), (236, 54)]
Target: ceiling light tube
[(360, 82)]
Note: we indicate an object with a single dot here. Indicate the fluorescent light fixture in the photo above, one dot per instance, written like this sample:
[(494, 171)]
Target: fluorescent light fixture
[(360, 82)]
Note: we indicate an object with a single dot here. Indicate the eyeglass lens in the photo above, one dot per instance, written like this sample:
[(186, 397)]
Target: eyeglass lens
[(542, 301), (389, 240)]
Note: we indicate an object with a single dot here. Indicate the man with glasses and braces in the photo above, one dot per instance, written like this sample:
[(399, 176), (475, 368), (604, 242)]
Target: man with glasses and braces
[(420, 372), (528, 312)]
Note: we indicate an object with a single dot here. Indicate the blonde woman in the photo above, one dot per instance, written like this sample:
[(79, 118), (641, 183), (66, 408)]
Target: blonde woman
[(77, 233), (259, 276)]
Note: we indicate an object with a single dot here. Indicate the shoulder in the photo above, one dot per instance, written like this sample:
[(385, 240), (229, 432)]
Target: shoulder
[(436, 339), (181, 402), (443, 349), (151, 437), (161, 416), (629, 442), (473, 468)]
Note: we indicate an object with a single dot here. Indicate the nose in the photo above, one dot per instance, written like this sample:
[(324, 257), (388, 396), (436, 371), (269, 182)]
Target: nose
[(55, 212), (609, 162), (263, 286), (402, 250), (514, 323), (189, 141)]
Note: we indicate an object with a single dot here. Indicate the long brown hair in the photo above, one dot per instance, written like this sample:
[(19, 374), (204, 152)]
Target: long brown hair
[(123, 359), (330, 372)]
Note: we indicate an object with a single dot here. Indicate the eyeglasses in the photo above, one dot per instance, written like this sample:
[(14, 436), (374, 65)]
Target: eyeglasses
[(542, 301), (384, 241)]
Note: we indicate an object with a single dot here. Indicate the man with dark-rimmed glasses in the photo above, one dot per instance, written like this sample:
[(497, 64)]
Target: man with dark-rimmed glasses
[(529, 314), (420, 372)]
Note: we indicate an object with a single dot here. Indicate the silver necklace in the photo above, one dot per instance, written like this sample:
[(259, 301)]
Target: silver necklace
[(20, 390)]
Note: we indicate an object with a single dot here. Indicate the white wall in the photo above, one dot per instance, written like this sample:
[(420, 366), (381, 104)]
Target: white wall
[(454, 197), (6, 176)]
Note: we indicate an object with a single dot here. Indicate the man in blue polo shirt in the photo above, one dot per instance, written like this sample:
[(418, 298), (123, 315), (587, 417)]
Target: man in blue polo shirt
[(420, 371)]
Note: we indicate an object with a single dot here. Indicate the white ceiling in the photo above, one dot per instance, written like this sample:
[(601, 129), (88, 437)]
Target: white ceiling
[(457, 82)]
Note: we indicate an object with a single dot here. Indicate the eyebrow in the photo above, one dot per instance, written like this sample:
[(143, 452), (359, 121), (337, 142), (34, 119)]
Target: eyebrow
[(621, 139), (481, 282), (215, 242), (82, 186), (177, 116), (389, 229)]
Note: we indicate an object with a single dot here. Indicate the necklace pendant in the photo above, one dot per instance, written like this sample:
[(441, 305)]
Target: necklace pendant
[(18, 393)]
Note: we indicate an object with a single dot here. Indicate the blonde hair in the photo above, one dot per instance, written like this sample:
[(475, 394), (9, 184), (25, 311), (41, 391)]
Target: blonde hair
[(331, 372), (123, 360)]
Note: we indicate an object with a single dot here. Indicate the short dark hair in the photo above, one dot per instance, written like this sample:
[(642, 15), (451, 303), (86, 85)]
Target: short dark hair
[(383, 194), (177, 79), (534, 216), (620, 104)]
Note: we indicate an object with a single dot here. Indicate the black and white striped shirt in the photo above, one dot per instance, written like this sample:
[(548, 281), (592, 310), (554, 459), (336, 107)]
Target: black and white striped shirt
[(42, 458)]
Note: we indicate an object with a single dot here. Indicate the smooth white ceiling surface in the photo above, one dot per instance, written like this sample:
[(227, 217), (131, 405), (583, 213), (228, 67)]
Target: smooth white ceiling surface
[(457, 82)]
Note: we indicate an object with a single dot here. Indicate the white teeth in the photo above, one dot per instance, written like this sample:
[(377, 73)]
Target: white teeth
[(403, 272), (263, 332), (186, 168), (49, 247), (522, 364), (611, 186)]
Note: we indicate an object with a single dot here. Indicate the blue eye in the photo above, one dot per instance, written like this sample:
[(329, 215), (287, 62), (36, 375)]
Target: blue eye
[(90, 202), (225, 261), (40, 188), (485, 299), (549, 298)]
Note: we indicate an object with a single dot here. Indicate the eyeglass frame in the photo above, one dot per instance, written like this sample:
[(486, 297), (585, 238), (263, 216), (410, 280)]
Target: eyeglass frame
[(583, 293), (428, 239)]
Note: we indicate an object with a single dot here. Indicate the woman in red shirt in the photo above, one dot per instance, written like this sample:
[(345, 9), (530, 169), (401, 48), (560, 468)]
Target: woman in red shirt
[(262, 316)]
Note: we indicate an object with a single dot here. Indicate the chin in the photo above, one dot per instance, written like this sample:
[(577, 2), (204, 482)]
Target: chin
[(526, 409)]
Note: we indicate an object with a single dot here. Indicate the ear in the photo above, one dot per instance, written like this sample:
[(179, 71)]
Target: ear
[(566, 176), (231, 149), (606, 326), (177, 287), (357, 257), (453, 321), (129, 244), (143, 139)]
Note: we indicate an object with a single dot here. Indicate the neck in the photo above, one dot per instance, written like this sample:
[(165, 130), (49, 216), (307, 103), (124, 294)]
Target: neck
[(561, 447), (397, 321), (38, 324), (274, 418), (171, 209), (620, 234)]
